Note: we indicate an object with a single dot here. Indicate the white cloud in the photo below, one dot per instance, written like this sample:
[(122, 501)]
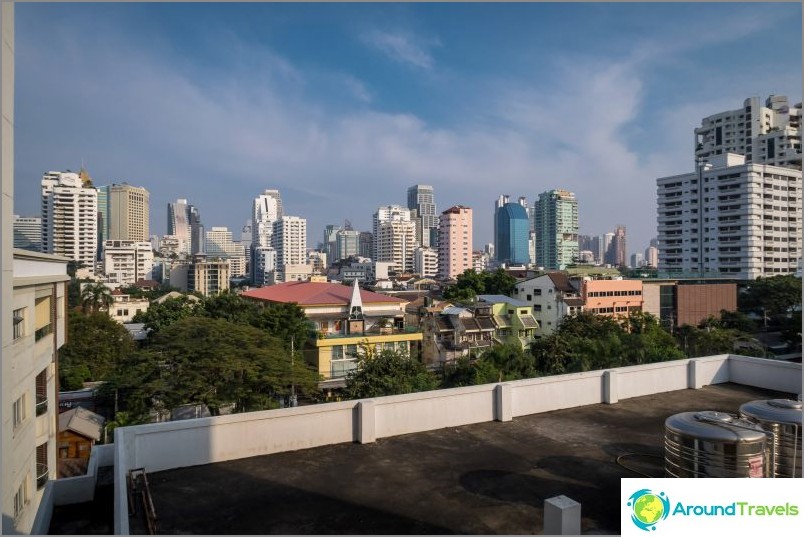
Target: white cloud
[(403, 47)]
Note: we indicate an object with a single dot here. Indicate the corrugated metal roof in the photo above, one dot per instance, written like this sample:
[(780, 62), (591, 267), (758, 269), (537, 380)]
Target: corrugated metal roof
[(502, 321), (316, 293), (528, 321), (497, 299)]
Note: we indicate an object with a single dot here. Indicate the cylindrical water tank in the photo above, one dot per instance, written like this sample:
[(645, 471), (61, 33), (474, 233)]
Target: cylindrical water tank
[(782, 418), (713, 444)]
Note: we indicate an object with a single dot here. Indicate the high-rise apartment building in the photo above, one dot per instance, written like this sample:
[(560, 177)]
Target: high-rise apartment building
[(36, 330), (556, 218), (266, 209), (394, 237), (290, 241), (126, 214), (768, 134), (28, 233), (347, 243), (731, 218), (616, 253), (69, 217), (652, 257), (511, 240), (454, 242), (178, 224), (127, 262), (219, 243), (425, 262), (197, 237), (208, 277), (421, 199), (366, 244), (330, 244)]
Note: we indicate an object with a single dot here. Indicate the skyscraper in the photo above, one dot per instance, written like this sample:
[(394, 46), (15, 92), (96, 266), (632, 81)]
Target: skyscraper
[(126, 213), (556, 218), (511, 241), (347, 243), (420, 198), (70, 217), (290, 241), (454, 242), (178, 224), (730, 218), (768, 134), (616, 253), (394, 237), (197, 238), (266, 209)]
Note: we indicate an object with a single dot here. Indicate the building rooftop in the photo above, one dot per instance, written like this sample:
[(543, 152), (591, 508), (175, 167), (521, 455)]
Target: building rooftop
[(82, 422), (497, 299), (315, 294), (487, 478)]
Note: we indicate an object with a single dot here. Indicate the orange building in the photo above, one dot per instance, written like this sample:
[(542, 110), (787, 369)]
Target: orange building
[(612, 297)]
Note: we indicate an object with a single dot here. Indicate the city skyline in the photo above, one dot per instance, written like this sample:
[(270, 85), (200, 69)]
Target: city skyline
[(342, 108)]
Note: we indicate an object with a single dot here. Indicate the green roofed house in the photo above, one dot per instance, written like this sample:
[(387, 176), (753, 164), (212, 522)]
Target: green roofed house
[(513, 319)]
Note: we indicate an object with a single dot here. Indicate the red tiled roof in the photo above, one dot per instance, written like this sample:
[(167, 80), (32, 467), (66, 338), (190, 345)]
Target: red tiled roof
[(314, 293)]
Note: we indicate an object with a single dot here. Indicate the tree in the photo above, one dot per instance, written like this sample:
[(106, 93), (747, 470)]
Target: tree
[(468, 372), (95, 345), (737, 321), (388, 372), (161, 315), (198, 360), (96, 297), (510, 362), (774, 297), (499, 282), (287, 322)]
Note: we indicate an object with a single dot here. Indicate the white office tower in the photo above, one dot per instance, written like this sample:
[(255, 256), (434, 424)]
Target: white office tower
[(420, 198), (394, 237), (28, 233), (70, 217), (768, 134), (178, 224), (347, 243), (730, 219), (127, 262), (266, 209)]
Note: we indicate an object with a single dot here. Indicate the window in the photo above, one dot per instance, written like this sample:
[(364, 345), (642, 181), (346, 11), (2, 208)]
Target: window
[(21, 497), (537, 292), (19, 323), (44, 316), (19, 411)]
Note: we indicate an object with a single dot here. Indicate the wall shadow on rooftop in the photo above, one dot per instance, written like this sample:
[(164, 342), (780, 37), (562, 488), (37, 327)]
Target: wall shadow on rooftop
[(216, 500), (600, 511)]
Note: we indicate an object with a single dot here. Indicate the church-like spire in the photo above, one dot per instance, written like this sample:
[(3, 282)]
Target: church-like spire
[(356, 304)]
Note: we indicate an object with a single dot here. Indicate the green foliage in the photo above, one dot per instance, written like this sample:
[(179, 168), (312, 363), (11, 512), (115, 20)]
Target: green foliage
[(469, 372), (388, 372), (737, 321), (791, 330), (212, 362), (136, 292), (587, 342), (470, 283), (711, 338), (95, 344), (510, 362), (160, 316), (774, 296), (96, 297)]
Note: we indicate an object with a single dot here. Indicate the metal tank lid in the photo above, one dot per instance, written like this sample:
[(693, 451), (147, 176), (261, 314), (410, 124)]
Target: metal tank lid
[(773, 410), (715, 426)]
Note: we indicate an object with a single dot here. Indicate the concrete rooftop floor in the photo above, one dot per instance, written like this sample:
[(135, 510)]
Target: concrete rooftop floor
[(489, 478)]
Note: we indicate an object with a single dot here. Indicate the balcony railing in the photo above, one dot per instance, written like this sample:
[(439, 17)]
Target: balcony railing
[(373, 331), (42, 475), (41, 404)]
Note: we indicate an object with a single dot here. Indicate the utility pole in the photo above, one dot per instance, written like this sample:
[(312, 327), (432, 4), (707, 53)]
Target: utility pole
[(293, 400)]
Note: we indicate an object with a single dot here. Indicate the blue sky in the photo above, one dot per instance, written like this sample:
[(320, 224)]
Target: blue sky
[(343, 106)]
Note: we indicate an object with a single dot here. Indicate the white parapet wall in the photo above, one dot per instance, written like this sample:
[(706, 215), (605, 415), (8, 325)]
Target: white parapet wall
[(163, 446)]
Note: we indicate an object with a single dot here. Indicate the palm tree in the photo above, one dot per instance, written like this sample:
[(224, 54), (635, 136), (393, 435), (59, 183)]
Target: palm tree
[(96, 297)]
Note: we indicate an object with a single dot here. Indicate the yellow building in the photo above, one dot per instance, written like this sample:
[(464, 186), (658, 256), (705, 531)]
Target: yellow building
[(343, 321)]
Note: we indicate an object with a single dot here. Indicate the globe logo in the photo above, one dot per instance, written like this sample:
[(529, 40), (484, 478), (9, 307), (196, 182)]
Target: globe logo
[(648, 508)]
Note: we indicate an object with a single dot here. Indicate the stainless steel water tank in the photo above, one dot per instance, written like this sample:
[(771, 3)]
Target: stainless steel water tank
[(782, 418), (714, 444)]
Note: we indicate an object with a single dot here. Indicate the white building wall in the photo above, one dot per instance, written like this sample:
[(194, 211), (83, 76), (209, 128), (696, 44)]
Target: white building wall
[(69, 218), (731, 219)]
